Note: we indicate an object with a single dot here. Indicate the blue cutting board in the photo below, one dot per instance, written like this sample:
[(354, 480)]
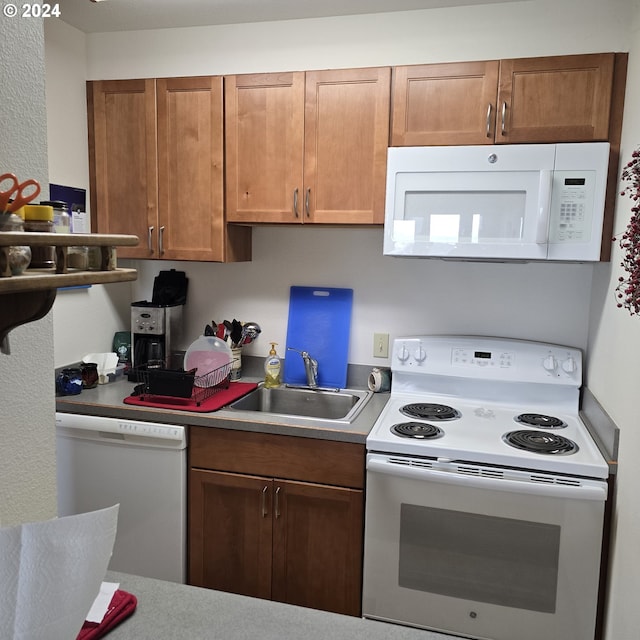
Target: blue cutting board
[(319, 323)]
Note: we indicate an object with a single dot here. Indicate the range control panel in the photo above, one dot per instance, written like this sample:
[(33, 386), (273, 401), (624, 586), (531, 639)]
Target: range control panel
[(488, 358)]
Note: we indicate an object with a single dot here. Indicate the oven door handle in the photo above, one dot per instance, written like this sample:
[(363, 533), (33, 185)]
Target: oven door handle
[(587, 490)]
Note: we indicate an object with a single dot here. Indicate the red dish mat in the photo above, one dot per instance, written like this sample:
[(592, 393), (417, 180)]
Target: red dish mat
[(122, 605), (218, 400)]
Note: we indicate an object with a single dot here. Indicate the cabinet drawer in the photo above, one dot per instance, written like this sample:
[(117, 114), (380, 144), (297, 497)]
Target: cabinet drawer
[(287, 457)]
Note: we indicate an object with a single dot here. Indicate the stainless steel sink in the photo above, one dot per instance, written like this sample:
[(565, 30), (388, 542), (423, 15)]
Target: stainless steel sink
[(342, 405)]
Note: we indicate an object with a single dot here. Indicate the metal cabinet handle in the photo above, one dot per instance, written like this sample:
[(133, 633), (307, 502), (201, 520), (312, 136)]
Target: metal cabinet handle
[(306, 202), (265, 513), (503, 129), (295, 202), (150, 239), (161, 240), (489, 110), (277, 504)]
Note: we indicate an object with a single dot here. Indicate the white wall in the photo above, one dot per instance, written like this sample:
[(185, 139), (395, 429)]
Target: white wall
[(614, 372), (27, 436), (391, 295), (85, 319)]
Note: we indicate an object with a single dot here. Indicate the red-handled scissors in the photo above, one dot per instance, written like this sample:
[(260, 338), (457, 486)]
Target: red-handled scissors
[(16, 191)]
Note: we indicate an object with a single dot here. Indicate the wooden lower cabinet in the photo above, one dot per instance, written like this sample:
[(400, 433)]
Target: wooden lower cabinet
[(284, 539)]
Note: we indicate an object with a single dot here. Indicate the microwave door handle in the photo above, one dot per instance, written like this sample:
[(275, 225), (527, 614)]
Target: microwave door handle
[(544, 207), (595, 492)]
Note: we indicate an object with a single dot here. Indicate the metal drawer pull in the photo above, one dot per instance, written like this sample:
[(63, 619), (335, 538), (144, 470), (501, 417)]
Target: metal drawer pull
[(504, 117), (489, 109), (264, 501), (306, 202), (150, 239), (295, 202), (277, 505), (161, 241)]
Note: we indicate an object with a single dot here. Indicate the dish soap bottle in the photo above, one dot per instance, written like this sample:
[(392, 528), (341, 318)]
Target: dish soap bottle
[(272, 366)]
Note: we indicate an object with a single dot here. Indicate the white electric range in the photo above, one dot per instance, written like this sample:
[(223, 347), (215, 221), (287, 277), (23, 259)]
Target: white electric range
[(485, 492)]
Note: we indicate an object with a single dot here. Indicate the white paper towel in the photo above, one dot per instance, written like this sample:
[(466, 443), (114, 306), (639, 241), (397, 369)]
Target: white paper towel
[(51, 573)]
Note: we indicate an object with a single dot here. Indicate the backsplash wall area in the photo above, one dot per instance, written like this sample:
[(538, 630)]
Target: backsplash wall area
[(398, 296)]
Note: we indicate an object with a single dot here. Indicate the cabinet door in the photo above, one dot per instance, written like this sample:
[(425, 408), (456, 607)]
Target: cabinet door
[(190, 169), (317, 540), (555, 99), (346, 139), (444, 104), (230, 532), (264, 147), (122, 158)]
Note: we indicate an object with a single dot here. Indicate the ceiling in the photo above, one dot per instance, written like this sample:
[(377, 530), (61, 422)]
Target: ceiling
[(133, 15)]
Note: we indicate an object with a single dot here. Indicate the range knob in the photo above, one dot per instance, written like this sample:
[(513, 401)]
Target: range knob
[(403, 353), (420, 354), (550, 363), (569, 365)]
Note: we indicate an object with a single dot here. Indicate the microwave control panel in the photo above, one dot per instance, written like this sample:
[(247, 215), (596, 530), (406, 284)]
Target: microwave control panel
[(572, 204)]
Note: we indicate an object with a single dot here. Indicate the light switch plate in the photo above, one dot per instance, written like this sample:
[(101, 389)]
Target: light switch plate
[(380, 345)]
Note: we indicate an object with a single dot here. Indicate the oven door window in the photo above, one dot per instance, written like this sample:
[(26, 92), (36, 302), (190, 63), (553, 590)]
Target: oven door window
[(513, 563)]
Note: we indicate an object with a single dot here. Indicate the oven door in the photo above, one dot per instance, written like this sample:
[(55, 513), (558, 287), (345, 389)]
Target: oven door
[(480, 551)]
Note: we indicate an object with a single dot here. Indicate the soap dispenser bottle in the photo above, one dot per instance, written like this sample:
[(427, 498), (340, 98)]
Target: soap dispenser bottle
[(272, 367)]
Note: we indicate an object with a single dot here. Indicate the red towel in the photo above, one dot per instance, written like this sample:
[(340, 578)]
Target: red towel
[(122, 605)]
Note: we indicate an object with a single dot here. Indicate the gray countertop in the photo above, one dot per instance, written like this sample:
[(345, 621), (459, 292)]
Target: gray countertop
[(108, 400), (174, 611)]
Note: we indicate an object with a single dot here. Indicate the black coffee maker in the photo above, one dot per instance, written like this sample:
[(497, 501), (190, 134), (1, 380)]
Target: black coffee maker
[(156, 325)]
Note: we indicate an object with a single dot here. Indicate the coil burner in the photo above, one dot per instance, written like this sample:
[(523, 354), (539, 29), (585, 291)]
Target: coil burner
[(541, 421), (420, 430), (430, 411), (540, 442)]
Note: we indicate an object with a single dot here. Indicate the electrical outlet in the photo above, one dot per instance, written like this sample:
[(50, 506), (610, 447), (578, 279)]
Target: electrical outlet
[(380, 345)]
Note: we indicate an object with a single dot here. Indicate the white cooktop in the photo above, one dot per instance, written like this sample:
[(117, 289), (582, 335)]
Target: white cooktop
[(489, 381)]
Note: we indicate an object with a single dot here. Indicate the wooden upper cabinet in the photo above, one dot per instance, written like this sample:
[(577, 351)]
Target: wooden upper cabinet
[(346, 139), (549, 99), (444, 104), (122, 154), (263, 146), (156, 168), (307, 147), (555, 99), (190, 168)]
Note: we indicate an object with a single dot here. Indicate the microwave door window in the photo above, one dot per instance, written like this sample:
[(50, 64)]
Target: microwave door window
[(466, 218)]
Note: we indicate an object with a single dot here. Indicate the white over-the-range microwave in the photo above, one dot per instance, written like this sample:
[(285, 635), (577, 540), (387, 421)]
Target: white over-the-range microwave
[(502, 202)]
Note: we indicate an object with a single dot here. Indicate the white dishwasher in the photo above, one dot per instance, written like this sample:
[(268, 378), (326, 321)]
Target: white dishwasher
[(143, 467)]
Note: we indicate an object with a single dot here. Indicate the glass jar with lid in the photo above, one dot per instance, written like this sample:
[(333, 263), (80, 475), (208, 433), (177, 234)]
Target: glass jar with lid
[(61, 217), (39, 219), (18, 256), (77, 257)]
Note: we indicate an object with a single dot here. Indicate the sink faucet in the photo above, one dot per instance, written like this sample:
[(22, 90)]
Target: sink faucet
[(310, 367)]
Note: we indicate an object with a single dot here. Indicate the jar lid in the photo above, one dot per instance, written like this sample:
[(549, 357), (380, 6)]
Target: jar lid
[(38, 212), (56, 204)]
